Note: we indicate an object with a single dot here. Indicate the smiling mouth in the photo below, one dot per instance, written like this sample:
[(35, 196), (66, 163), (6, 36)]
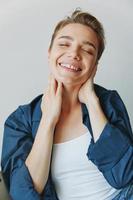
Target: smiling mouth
[(69, 67)]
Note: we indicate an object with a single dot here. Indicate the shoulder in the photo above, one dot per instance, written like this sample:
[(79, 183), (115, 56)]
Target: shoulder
[(101, 91), (110, 100), (105, 94), (26, 113)]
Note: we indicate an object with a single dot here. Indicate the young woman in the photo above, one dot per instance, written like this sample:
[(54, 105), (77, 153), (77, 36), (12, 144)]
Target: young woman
[(75, 141)]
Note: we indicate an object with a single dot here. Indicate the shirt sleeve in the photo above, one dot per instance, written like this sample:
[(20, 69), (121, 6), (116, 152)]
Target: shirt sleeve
[(113, 151), (17, 143)]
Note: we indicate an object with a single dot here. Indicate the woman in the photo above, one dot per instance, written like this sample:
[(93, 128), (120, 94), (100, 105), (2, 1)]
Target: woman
[(75, 141)]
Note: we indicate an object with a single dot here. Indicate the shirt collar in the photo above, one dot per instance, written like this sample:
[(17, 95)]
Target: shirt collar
[(36, 108)]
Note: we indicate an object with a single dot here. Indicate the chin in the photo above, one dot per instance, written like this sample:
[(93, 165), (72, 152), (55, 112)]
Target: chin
[(70, 83), (67, 80)]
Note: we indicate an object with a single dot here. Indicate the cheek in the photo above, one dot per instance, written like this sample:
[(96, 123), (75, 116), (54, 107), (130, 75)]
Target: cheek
[(90, 64), (52, 66), (51, 60)]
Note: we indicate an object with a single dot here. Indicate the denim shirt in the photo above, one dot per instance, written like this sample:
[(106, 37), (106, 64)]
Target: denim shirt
[(112, 153)]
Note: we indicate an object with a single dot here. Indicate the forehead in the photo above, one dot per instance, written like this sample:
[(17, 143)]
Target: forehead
[(78, 31)]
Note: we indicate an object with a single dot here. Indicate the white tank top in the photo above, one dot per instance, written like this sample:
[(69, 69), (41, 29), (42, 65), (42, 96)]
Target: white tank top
[(74, 176)]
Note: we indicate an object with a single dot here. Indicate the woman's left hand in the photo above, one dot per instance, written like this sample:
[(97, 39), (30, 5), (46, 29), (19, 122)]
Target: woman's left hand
[(87, 89)]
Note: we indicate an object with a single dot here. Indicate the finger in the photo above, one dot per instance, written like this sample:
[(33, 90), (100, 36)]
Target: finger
[(49, 81), (53, 85), (59, 88)]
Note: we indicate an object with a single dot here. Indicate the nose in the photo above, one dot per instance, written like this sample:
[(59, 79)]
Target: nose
[(74, 53)]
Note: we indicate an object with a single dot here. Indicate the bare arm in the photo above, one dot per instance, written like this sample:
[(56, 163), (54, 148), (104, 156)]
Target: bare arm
[(97, 117), (88, 96), (38, 160)]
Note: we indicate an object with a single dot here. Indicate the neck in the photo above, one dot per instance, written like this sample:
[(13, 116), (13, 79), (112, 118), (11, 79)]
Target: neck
[(70, 98)]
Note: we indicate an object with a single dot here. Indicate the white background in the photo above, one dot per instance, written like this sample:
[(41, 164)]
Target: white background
[(25, 31)]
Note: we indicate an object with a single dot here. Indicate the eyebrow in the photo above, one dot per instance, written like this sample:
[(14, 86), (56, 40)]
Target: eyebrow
[(84, 42)]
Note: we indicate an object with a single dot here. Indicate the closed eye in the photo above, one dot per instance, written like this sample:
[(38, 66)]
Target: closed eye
[(88, 51), (63, 45)]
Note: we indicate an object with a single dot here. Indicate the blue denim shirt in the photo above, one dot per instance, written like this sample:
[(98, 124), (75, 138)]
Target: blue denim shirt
[(112, 153)]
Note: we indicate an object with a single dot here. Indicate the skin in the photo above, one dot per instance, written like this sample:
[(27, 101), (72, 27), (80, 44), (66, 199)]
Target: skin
[(69, 49), (77, 43), (74, 44)]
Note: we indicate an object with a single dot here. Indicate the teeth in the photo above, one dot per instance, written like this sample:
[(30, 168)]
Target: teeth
[(69, 66)]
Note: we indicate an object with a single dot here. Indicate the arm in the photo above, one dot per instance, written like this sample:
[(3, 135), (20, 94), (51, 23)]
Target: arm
[(113, 151), (39, 157), (111, 148), (97, 117), (17, 143), (23, 158), (88, 96)]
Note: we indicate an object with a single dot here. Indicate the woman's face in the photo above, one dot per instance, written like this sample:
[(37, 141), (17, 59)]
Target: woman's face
[(73, 54)]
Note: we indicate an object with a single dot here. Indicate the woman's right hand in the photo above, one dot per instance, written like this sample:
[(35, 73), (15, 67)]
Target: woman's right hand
[(52, 101)]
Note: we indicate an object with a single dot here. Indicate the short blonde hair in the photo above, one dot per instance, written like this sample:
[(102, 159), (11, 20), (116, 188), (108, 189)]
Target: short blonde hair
[(86, 19)]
